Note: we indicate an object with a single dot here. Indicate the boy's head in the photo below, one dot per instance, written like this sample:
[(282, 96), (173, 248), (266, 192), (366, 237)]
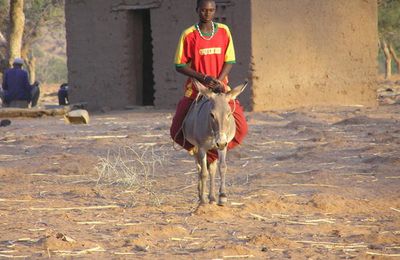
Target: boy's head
[(206, 10), (200, 2)]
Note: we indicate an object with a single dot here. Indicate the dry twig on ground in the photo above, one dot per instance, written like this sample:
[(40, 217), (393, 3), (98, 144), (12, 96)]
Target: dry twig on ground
[(131, 168)]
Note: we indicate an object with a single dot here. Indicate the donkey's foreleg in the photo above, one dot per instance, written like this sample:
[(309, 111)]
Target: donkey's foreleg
[(222, 171), (202, 160), (212, 168)]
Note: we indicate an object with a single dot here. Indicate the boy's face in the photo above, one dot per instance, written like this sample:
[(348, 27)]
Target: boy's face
[(206, 11)]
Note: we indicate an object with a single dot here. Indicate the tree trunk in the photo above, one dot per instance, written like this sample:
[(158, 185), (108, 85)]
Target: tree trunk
[(388, 58), (3, 53), (30, 62), (31, 68), (3, 41), (394, 55), (17, 23)]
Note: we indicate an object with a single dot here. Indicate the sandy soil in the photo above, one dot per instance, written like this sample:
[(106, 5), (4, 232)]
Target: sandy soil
[(306, 184)]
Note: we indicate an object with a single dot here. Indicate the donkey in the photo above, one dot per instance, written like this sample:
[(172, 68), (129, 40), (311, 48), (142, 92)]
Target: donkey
[(210, 125)]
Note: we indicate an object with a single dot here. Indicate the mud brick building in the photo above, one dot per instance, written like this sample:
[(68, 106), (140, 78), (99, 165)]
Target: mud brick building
[(295, 52)]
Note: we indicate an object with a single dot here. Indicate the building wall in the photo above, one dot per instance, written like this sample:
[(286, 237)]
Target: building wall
[(168, 23), (310, 53), (101, 48), (295, 53), (104, 68)]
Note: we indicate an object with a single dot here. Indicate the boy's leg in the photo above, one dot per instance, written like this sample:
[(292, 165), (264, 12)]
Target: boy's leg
[(212, 155), (241, 124), (176, 127)]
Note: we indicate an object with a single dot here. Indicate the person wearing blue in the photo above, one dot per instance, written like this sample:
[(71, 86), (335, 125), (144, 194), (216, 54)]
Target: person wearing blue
[(63, 95), (17, 92)]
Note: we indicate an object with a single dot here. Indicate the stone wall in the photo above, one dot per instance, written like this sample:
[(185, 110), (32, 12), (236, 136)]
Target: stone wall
[(311, 53)]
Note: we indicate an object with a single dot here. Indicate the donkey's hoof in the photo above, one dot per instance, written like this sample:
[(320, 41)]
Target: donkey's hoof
[(222, 200)]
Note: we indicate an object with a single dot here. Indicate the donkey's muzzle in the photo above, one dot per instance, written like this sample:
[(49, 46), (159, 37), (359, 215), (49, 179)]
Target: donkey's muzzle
[(221, 145), (221, 141)]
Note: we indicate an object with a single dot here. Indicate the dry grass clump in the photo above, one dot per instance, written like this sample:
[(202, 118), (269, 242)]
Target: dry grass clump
[(131, 168)]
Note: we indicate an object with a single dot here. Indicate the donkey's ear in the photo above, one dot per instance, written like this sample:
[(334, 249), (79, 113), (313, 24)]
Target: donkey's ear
[(237, 90), (203, 90)]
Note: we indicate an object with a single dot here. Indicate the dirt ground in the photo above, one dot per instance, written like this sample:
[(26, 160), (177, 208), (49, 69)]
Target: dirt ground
[(318, 183)]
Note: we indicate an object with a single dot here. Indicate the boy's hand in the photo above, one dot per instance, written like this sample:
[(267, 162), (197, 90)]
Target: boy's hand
[(213, 83)]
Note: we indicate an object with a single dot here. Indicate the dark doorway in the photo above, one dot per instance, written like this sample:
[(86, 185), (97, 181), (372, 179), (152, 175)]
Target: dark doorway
[(140, 51), (147, 47)]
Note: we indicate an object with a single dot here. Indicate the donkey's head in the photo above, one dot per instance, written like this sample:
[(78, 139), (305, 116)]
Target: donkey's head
[(221, 119)]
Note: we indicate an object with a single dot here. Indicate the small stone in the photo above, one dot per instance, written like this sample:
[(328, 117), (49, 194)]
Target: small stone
[(79, 116), (142, 248), (375, 247), (5, 122)]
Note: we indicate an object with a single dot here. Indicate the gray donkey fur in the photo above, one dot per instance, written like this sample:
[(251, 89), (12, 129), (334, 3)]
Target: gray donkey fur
[(210, 125)]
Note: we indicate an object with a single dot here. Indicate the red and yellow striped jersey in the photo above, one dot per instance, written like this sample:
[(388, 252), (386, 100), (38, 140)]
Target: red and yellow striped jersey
[(205, 56)]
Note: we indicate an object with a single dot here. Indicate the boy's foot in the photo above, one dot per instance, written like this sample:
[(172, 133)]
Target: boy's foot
[(193, 151)]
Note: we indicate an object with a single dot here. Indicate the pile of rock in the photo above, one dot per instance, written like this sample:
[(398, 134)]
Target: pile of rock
[(389, 93)]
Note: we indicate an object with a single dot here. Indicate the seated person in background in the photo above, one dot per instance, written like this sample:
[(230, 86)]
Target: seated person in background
[(63, 95), (17, 92)]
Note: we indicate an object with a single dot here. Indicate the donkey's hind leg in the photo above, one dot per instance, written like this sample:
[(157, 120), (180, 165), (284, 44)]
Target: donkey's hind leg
[(202, 161), (212, 168)]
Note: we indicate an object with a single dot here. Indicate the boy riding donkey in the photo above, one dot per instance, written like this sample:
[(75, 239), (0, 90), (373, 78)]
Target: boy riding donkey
[(205, 53)]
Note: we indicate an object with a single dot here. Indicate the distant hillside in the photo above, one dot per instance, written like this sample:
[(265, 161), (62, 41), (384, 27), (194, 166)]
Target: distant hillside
[(50, 53)]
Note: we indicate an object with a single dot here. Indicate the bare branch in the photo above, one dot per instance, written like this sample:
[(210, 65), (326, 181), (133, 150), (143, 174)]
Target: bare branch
[(33, 32), (3, 41), (395, 57)]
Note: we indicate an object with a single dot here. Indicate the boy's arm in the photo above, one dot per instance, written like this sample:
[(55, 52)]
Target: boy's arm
[(188, 71), (205, 79)]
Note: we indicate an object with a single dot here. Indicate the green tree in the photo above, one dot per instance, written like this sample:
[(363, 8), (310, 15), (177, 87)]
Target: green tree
[(389, 33), (4, 12), (38, 13)]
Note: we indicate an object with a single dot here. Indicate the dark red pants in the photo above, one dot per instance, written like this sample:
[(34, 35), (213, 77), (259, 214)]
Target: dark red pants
[(181, 111)]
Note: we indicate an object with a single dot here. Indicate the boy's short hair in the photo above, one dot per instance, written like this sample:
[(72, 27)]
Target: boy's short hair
[(200, 1)]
